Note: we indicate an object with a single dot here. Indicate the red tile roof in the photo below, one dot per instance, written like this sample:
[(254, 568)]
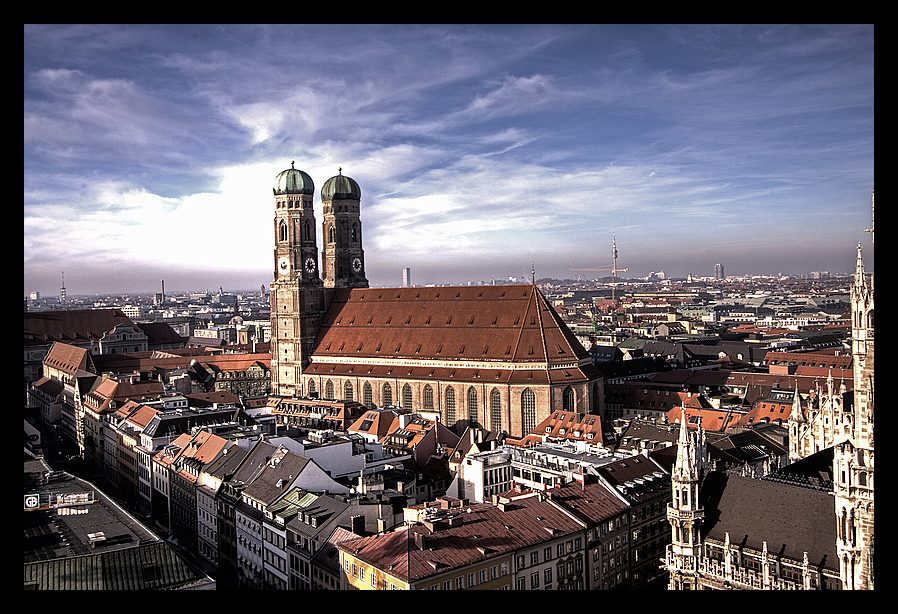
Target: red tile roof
[(76, 326), (466, 323)]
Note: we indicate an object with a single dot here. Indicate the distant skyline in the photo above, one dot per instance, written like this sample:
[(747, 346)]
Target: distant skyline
[(151, 150)]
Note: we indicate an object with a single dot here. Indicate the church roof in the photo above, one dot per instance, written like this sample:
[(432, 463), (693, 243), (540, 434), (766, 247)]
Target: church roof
[(463, 332)]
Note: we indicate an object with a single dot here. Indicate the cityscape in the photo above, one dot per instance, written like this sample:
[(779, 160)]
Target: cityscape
[(456, 346)]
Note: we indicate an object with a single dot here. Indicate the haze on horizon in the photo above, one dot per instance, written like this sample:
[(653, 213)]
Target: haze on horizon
[(150, 150)]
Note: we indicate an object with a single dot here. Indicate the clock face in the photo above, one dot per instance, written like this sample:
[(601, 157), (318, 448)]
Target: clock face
[(284, 265), (310, 265), (356, 265)]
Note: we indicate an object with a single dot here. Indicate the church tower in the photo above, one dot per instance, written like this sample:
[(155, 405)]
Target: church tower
[(296, 294), (853, 455), (684, 513), (342, 259)]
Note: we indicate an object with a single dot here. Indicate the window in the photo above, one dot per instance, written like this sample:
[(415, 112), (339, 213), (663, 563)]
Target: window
[(450, 406), (528, 410), (568, 399), (472, 405), (367, 396), (387, 395), (428, 397), (495, 411), (407, 396)]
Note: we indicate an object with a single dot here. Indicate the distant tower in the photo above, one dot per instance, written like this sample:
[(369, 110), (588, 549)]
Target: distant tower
[(406, 278), (342, 258), (296, 294), (62, 290), (718, 271)]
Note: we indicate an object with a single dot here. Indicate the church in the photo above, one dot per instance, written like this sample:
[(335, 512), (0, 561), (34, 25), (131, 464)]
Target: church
[(497, 357)]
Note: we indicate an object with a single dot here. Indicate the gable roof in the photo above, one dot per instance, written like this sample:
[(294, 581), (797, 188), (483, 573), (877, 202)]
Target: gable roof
[(76, 326), (69, 358), (464, 323)]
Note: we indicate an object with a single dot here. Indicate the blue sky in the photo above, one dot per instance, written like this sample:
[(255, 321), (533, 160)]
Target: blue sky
[(150, 151)]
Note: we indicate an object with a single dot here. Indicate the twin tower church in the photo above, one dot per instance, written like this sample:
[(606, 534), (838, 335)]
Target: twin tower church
[(494, 356)]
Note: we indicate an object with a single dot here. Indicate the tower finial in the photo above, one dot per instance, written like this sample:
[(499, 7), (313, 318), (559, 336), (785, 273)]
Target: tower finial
[(339, 170), (291, 164)]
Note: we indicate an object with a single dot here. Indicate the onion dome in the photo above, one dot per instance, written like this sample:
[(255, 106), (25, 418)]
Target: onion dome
[(293, 181), (341, 187)]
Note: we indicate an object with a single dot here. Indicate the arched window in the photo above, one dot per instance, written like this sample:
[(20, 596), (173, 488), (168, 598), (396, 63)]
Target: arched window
[(495, 411), (472, 406), (387, 395), (312, 390), (428, 397), (528, 410), (331, 234), (407, 396), (567, 402), (367, 396), (282, 232), (329, 390), (307, 231), (347, 391), (450, 406)]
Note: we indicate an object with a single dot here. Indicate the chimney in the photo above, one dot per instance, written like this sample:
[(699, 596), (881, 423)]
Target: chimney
[(357, 524), (420, 541)]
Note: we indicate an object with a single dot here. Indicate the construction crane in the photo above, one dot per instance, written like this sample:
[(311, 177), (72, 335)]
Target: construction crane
[(614, 270)]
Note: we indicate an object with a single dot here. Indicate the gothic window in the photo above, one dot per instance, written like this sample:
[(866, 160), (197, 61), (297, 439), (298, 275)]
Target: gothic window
[(495, 411), (312, 389), (282, 232), (331, 234), (428, 397), (329, 390), (450, 406), (387, 395), (568, 399), (367, 396), (347, 391), (307, 231), (472, 405), (528, 410), (407, 396), (355, 234)]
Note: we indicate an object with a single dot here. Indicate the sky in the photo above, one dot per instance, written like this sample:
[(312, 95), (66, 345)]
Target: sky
[(483, 152)]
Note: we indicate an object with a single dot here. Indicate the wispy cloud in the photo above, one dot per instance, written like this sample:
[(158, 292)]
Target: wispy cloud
[(475, 146)]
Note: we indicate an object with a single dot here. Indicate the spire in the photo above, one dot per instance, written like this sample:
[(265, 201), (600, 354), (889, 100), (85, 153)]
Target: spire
[(797, 415), (684, 468)]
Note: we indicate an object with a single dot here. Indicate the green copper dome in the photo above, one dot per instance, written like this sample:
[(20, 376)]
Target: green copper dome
[(293, 181), (341, 187)]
